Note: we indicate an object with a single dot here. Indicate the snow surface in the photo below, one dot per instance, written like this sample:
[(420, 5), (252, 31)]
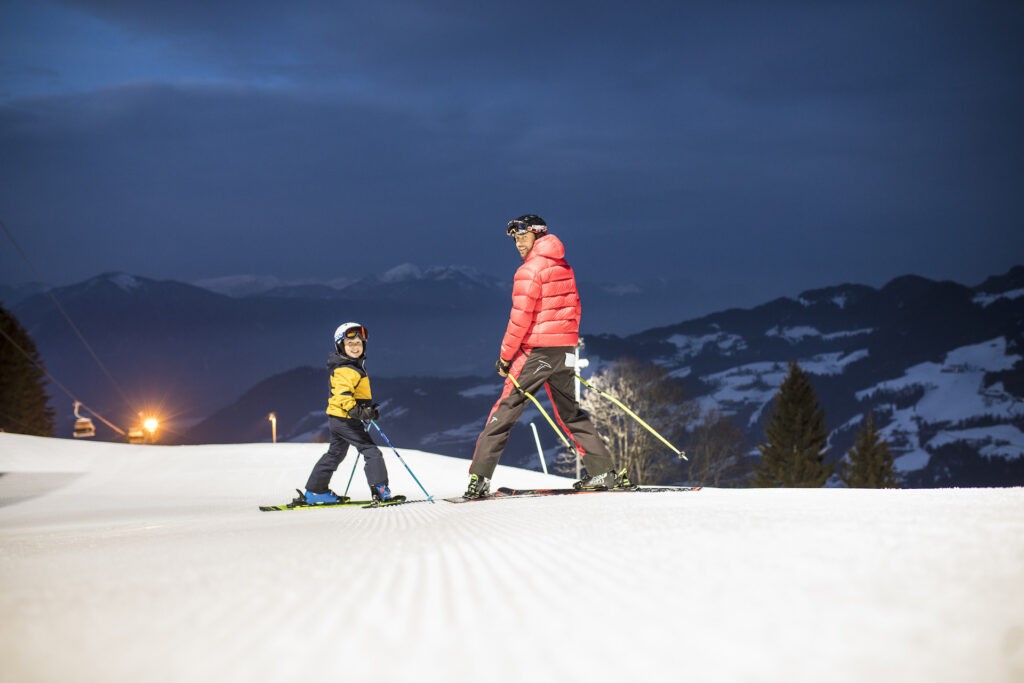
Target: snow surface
[(128, 563)]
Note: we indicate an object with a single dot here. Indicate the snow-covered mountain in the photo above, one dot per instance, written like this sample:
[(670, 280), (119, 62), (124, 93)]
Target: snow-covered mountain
[(939, 362), (193, 349), (127, 563)]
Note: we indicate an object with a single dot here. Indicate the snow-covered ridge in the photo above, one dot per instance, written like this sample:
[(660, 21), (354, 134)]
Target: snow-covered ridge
[(122, 281), (839, 301), (951, 394), (690, 346), (984, 299), (493, 389), (248, 285), (238, 286), (409, 272), (754, 385), (798, 333)]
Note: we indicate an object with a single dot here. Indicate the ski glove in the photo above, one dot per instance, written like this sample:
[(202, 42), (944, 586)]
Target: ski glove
[(502, 367), (365, 411)]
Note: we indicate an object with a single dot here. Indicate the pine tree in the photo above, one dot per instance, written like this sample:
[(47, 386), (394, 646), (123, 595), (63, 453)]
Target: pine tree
[(24, 405), (869, 464), (793, 454)]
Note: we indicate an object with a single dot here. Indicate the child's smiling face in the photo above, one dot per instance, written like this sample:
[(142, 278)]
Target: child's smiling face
[(354, 347)]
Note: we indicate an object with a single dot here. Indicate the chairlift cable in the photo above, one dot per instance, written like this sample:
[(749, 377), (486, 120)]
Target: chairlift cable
[(59, 384), (49, 293)]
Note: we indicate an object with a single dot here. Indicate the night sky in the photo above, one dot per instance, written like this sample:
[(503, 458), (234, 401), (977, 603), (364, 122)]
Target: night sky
[(748, 149)]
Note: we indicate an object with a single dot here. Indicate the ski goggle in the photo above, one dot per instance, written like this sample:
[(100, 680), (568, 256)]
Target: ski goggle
[(355, 333), (521, 228)]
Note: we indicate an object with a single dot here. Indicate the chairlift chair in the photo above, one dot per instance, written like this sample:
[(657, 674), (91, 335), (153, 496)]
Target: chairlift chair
[(84, 428)]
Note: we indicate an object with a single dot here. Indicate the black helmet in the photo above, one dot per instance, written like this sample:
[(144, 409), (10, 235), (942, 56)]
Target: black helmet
[(528, 223)]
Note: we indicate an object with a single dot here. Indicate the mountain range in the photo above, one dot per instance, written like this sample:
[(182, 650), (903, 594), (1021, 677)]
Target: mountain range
[(937, 362)]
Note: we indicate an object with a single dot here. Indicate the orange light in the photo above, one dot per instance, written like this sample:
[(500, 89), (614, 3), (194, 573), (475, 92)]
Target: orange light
[(151, 424)]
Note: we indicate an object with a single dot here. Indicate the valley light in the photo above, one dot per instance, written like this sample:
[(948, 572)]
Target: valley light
[(273, 427)]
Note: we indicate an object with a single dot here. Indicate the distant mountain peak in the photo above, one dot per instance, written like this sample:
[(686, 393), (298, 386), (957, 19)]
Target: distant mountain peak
[(238, 286), (122, 281), (402, 273), (463, 276)]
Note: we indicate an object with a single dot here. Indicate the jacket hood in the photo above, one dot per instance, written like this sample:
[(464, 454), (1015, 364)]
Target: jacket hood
[(548, 246)]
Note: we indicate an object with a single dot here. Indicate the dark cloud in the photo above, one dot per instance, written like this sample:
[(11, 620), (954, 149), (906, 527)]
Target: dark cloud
[(780, 147)]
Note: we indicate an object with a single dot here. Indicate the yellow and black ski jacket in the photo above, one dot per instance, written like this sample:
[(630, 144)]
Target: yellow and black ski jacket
[(349, 384)]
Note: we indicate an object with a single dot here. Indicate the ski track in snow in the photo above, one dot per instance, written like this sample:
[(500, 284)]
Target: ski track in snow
[(153, 563)]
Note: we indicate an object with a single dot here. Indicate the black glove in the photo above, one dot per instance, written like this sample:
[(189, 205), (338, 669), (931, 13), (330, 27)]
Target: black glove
[(502, 367), (365, 412)]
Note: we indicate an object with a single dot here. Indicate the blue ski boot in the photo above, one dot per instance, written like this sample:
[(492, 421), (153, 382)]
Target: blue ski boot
[(326, 498), (381, 493)]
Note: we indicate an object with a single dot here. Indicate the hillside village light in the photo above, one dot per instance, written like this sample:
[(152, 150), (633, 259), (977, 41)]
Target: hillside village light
[(273, 427)]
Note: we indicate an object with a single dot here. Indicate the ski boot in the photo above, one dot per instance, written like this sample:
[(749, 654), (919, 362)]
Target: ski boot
[(479, 487), (326, 498), (602, 482), (381, 493), (382, 496)]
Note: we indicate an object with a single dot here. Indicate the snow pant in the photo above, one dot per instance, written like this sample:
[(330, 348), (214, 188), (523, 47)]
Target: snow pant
[(347, 432), (549, 367)]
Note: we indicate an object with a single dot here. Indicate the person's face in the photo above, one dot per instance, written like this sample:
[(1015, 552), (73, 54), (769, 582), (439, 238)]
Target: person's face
[(524, 243), (354, 347)]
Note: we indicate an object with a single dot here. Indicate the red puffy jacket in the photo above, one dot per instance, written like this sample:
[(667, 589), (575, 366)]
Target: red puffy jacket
[(545, 302)]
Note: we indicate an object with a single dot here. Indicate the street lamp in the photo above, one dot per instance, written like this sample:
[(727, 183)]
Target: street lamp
[(273, 427)]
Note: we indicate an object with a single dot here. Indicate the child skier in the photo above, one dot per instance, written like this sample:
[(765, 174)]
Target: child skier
[(349, 405)]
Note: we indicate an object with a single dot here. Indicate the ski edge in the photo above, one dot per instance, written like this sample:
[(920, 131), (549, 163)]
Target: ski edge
[(363, 504), (505, 492)]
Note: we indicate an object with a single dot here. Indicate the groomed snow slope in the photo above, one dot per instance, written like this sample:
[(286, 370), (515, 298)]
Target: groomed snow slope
[(131, 563)]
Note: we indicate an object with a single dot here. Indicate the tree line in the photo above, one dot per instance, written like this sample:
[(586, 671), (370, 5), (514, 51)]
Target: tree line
[(793, 453)]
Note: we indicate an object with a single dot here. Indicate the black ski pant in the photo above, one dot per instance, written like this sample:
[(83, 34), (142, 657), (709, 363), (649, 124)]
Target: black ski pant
[(347, 432), (548, 367)]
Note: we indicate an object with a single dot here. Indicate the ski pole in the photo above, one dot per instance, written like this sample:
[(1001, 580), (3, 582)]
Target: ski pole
[(354, 463), (388, 441), (543, 412), (681, 454)]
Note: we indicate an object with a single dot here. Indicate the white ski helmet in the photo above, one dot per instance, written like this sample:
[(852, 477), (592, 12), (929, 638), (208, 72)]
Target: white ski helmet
[(349, 331)]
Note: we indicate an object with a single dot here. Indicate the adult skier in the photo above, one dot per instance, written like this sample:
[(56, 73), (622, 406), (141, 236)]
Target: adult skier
[(349, 405), (538, 350)]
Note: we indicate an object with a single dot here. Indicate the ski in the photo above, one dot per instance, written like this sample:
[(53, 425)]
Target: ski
[(506, 492), (510, 492), (364, 504), (395, 500), (304, 506)]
